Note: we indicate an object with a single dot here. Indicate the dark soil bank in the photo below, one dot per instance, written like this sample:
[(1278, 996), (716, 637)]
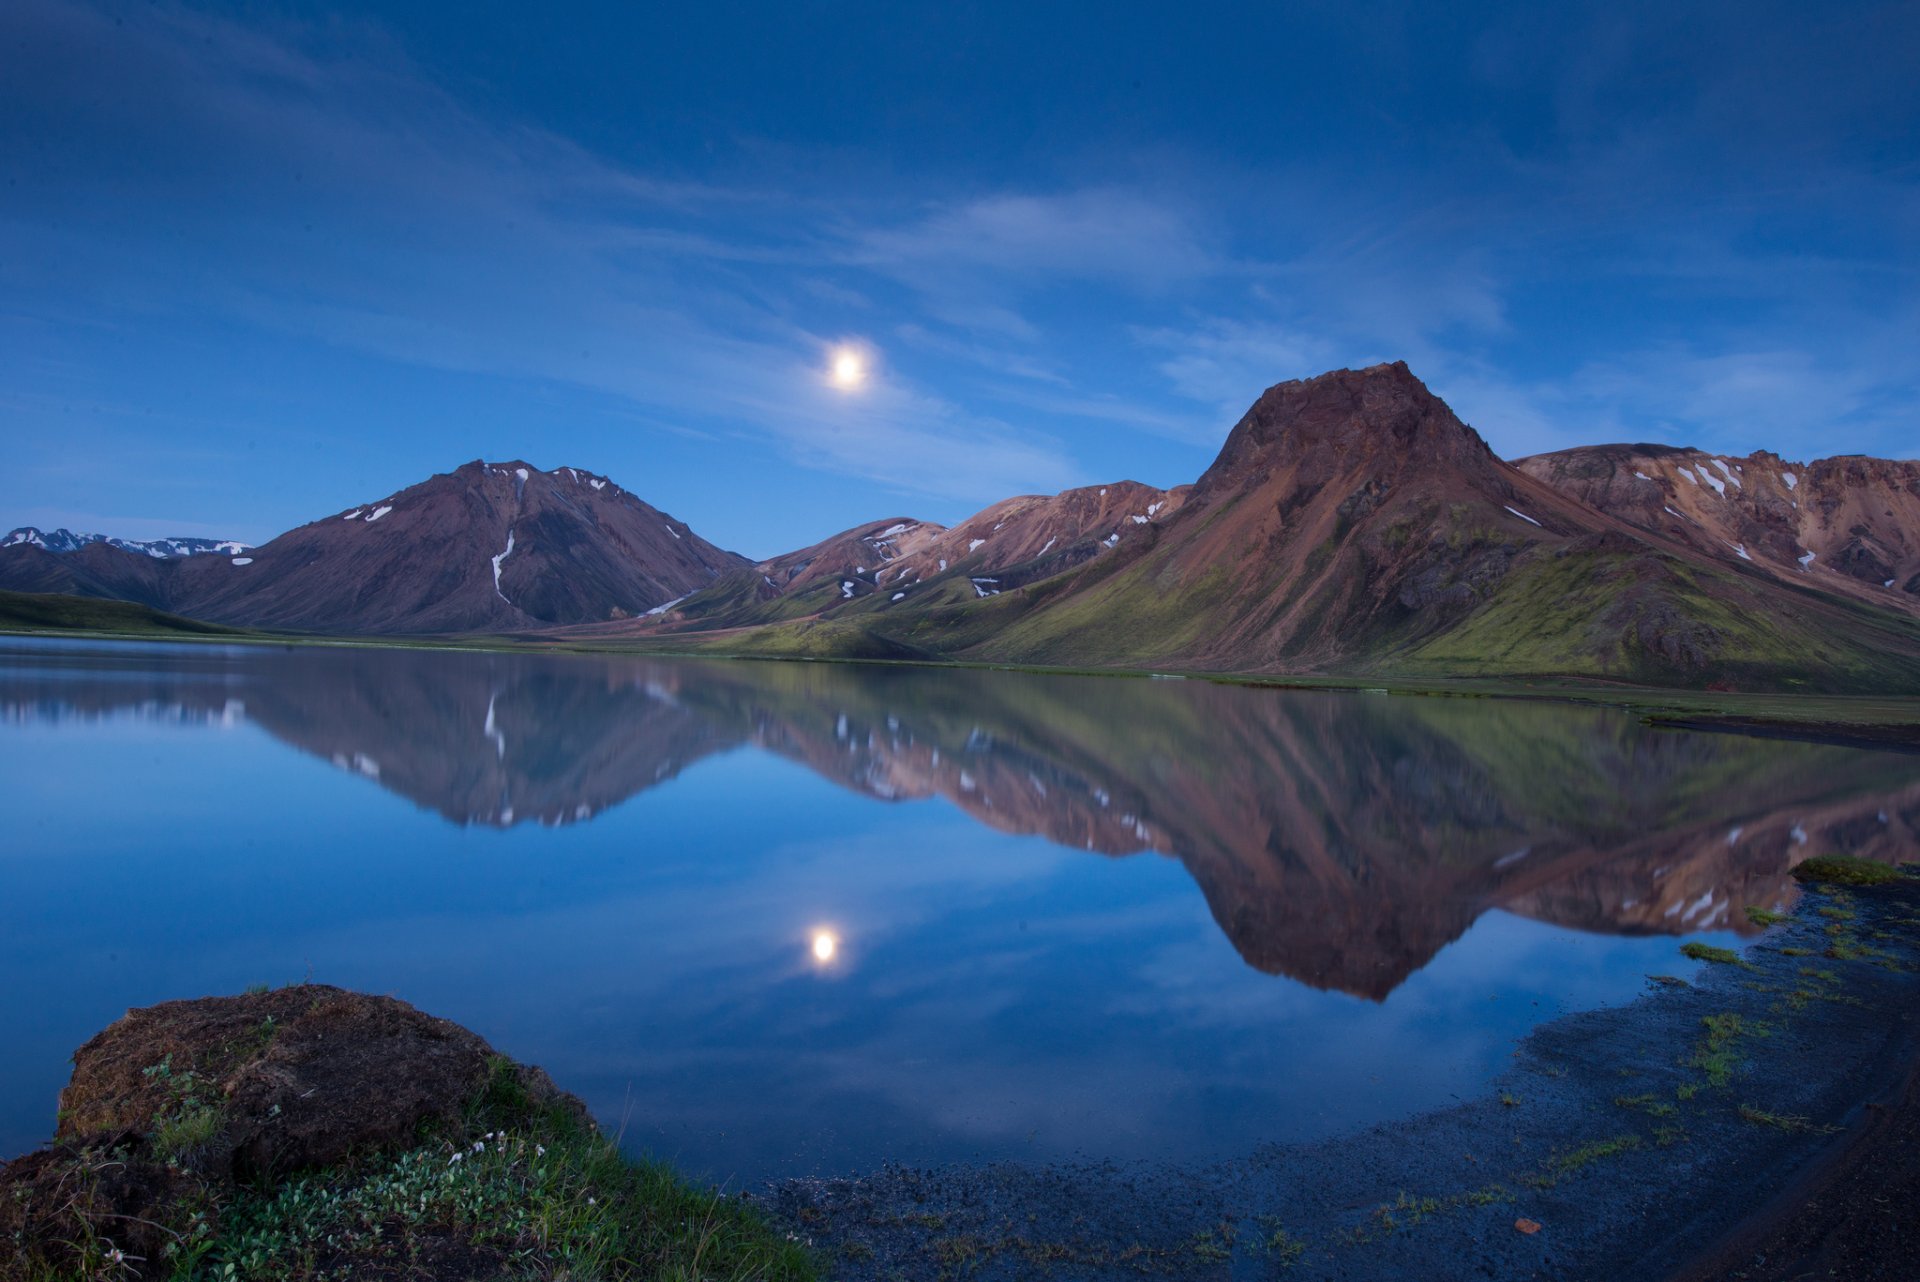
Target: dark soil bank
[(1664, 1138)]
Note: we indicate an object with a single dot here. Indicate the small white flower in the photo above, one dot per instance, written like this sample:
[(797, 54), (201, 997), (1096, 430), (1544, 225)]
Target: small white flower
[(117, 1256), (479, 1146), (589, 1201), (539, 1150), (456, 1157)]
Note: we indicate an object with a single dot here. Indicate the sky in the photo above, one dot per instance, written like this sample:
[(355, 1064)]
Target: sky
[(263, 262)]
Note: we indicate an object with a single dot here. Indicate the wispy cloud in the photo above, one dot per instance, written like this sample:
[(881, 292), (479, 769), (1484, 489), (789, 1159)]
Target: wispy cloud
[(506, 250)]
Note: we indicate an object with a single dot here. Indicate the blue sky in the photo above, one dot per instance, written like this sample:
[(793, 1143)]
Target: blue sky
[(264, 262)]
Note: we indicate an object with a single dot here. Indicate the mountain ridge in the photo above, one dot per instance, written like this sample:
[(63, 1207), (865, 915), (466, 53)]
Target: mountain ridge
[(1351, 522)]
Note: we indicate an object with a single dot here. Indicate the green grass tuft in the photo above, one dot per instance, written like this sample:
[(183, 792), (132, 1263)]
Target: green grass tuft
[(1708, 953), (1845, 870)]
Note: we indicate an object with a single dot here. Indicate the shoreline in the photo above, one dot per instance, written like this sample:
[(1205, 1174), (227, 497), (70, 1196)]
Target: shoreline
[(1750, 1123), (1868, 721), (1673, 1137)]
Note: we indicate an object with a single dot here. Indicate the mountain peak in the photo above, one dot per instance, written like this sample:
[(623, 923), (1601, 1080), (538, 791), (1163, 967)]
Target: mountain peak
[(1324, 425)]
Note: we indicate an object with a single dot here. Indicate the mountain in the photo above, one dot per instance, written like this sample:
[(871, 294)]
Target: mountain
[(485, 548), (1849, 524), (68, 541), (1013, 543), (1351, 524)]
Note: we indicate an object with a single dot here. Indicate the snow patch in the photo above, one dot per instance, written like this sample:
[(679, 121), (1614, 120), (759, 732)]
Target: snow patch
[(1643, 476), (1138, 520), (1726, 471), (943, 564), (846, 589), (1112, 540), (892, 530), (504, 554), (597, 483), (971, 545), (899, 595), (243, 560), (379, 512), (1740, 550), (664, 606), (1887, 584), (670, 530), (1155, 507), (1806, 562), (1522, 515), (1719, 486), (1686, 472), (1670, 512), (356, 512), (1050, 543), (521, 472), (1791, 481)]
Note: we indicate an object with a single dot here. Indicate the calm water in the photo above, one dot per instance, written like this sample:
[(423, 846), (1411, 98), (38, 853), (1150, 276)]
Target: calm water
[(1072, 916)]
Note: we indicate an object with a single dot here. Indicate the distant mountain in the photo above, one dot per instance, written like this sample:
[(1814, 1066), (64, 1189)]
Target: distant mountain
[(1840, 522), (1352, 523), (69, 541), (1015, 542), (485, 548)]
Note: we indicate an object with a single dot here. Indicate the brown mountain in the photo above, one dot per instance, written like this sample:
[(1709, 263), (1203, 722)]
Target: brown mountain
[(485, 548), (1351, 523), (899, 560), (1848, 524)]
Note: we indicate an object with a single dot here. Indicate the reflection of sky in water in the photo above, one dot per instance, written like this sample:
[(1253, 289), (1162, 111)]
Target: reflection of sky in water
[(984, 995)]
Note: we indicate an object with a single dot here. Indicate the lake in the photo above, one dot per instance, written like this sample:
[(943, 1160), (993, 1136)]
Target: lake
[(789, 918)]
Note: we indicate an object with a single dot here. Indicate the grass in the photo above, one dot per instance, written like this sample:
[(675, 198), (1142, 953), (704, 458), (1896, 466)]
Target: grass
[(1713, 1056), (1764, 916), (1279, 1245), (1779, 1121), (1709, 953), (191, 1118), (1845, 870), (547, 1200), (514, 1190), (1576, 1160), (48, 612)]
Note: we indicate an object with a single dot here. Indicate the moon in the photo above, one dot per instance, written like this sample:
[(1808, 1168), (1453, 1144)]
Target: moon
[(849, 369), (825, 945)]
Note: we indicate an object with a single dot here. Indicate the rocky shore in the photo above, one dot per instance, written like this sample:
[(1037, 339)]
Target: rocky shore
[(1680, 1136)]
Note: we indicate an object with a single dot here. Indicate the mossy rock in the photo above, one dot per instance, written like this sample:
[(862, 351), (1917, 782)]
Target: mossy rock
[(266, 1083), (1845, 870)]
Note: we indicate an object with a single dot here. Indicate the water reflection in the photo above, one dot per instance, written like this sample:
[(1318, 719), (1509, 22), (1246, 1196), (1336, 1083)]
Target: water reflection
[(1339, 840)]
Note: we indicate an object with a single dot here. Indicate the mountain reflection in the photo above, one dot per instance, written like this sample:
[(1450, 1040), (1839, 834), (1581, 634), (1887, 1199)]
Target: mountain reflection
[(1342, 840)]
